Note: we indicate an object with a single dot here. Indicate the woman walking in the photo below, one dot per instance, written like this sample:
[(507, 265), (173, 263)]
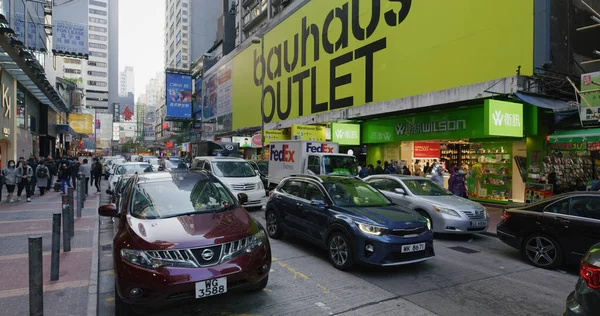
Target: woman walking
[(41, 174), (456, 183), (10, 179), (25, 176)]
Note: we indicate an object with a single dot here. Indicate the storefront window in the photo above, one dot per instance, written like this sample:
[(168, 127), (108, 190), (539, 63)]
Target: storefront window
[(21, 108)]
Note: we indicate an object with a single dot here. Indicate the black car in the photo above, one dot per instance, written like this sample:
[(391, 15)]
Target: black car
[(554, 231), (351, 219), (262, 167), (585, 300)]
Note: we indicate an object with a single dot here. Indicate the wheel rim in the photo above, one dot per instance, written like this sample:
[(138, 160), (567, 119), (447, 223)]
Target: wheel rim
[(541, 251), (271, 223), (338, 250)]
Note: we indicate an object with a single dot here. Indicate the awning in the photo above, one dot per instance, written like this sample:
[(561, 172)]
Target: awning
[(579, 139), (547, 103), (66, 129)]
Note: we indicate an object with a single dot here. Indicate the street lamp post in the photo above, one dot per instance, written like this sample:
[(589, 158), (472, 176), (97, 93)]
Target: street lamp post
[(261, 40)]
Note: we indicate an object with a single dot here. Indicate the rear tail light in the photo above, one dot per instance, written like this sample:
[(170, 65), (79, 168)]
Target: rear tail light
[(591, 275), (269, 193), (505, 216)]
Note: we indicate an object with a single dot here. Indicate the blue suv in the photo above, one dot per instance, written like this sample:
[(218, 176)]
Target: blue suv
[(351, 219)]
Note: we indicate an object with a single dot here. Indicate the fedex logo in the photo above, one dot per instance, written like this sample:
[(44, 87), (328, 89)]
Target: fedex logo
[(283, 155), (319, 148)]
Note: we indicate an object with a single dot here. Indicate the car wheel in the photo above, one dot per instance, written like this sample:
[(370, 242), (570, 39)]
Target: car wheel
[(273, 225), (542, 251), (340, 251), (262, 284)]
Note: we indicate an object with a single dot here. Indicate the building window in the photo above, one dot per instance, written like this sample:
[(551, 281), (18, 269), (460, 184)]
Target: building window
[(98, 12), (178, 37), (184, 20), (184, 65), (184, 12), (97, 83), (97, 73), (72, 71), (98, 3), (98, 20), (185, 5), (97, 64), (184, 35), (97, 54), (98, 37), (178, 16), (98, 29), (184, 57), (97, 45), (184, 50), (72, 61), (20, 108), (185, 28), (32, 124), (178, 57)]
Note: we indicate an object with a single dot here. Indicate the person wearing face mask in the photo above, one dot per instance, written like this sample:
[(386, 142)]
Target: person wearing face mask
[(456, 183), (10, 179), (25, 175)]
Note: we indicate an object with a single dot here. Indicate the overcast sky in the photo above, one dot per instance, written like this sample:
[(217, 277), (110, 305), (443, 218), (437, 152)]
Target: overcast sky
[(141, 38)]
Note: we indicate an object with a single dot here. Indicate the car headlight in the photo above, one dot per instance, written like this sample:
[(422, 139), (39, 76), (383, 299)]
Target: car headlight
[(428, 223), (157, 259), (251, 244), (446, 211), (371, 229), (260, 186)]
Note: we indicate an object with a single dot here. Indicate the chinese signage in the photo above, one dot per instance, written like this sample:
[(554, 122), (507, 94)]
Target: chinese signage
[(83, 123), (345, 134), (179, 95), (426, 150), (503, 118), (589, 117), (70, 27), (309, 132)]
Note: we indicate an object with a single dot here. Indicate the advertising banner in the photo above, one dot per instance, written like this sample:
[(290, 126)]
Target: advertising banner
[(218, 93), (70, 27), (309, 132), (179, 96), (503, 118), (82, 123), (33, 14), (244, 142), (104, 131), (345, 134), (208, 131), (336, 54), (116, 131), (589, 117), (198, 96), (426, 150), (273, 135)]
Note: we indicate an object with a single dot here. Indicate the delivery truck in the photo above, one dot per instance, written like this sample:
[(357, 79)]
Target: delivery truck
[(290, 157)]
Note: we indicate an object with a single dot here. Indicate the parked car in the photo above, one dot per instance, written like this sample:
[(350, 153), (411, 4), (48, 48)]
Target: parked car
[(237, 174), (554, 231), (108, 163), (183, 237), (262, 167), (447, 212), (585, 299), (349, 218), (127, 168)]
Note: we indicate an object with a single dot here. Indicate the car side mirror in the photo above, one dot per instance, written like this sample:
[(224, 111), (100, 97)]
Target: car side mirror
[(320, 203), (108, 210), (243, 198), (400, 191), (110, 192)]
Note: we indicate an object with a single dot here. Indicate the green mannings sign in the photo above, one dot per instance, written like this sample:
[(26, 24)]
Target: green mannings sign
[(345, 134), (503, 118)]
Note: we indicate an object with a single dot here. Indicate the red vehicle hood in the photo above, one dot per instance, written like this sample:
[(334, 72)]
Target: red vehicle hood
[(192, 230)]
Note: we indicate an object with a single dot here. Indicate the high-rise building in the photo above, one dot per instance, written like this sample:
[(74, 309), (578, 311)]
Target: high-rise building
[(184, 18), (252, 15), (101, 71), (126, 81)]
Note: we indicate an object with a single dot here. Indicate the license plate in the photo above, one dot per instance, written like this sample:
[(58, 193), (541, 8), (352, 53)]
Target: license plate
[(211, 287), (479, 224), (413, 247)]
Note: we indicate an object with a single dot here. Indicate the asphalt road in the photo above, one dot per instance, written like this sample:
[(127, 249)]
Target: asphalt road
[(482, 276)]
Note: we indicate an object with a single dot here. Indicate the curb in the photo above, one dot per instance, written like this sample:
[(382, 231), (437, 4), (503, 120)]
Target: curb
[(92, 305), (490, 234)]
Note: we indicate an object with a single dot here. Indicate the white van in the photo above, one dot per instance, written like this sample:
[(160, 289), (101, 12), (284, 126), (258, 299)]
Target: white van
[(237, 174)]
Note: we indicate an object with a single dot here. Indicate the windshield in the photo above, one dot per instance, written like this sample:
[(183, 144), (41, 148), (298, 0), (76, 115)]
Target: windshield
[(166, 199), (154, 161), (425, 187), (146, 158), (352, 192), (130, 169), (233, 169), (340, 165)]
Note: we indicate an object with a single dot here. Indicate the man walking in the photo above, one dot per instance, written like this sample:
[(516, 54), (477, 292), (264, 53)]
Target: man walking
[(33, 164), (97, 172), (75, 171), (52, 167), (24, 174), (85, 171), (378, 169)]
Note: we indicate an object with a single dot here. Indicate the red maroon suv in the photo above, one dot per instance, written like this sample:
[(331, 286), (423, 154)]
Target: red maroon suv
[(184, 237)]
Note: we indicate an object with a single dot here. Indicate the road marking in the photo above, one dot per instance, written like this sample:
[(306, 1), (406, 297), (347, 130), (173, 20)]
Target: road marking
[(45, 253), (325, 290), (110, 299), (296, 273), (267, 290), (47, 288), (322, 305)]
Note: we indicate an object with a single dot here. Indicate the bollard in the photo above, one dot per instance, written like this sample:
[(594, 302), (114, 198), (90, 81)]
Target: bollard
[(71, 211), (55, 255), (36, 289), (80, 194), (66, 225)]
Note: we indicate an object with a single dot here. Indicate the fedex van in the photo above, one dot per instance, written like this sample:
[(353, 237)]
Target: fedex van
[(289, 157)]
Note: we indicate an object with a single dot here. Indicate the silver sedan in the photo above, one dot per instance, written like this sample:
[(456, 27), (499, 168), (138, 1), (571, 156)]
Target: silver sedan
[(447, 212)]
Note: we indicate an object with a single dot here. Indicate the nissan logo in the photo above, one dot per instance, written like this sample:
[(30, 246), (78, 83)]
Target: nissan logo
[(207, 254)]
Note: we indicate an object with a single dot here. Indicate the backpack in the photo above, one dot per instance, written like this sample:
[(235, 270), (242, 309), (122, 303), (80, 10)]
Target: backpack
[(42, 172)]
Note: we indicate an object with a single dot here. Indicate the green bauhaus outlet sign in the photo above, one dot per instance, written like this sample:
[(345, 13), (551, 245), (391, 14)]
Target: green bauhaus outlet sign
[(345, 134), (503, 118)]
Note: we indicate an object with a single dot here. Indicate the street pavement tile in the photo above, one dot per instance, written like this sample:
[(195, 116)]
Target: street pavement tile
[(70, 301), (18, 244), (40, 225)]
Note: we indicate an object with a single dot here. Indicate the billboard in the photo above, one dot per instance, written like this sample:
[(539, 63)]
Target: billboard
[(589, 117), (309, 132), (82, 123), (337, 54), (70, 27), (104, 126), (33, 36), (179, 95), (218, 93), (198, 95)]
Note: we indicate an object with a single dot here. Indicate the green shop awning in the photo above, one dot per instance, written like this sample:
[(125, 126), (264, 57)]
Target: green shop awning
[(580, 139)]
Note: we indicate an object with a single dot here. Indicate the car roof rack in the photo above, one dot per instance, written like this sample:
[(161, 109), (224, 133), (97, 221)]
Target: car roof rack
[(310, 176)]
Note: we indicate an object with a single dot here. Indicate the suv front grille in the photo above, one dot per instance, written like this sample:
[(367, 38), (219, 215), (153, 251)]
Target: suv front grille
[(478, 214), (244, 187), (409, 232), (207, 256), (182, 255)]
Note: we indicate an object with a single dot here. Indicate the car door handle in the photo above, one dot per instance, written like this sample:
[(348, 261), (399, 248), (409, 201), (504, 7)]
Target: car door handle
[(563, 221)]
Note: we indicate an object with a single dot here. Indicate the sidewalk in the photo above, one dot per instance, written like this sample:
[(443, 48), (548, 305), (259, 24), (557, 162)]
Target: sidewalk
[(69, 294)]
